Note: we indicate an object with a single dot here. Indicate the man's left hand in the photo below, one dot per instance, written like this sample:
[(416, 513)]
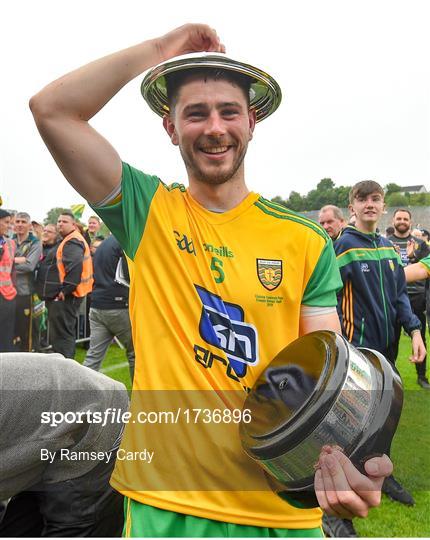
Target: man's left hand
[(342, 490)]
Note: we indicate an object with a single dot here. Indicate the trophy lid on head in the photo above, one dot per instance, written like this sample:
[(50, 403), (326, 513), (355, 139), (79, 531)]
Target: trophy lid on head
[(265, 92)]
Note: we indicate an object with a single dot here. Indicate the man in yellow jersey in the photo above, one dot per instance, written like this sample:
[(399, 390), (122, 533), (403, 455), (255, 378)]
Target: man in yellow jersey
[(221, 281)]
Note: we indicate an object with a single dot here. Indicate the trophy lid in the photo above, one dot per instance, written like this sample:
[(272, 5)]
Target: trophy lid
[(265, 93)]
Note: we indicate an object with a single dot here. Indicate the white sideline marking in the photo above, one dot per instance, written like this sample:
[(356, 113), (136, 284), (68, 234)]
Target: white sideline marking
[(114, 367)]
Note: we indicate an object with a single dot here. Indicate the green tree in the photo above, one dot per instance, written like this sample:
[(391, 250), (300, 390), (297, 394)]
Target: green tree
[(342, 196), (296, 202), (420, 199), (52, 215), (392, 188), (396, 199), (323, 194), (279, 200)]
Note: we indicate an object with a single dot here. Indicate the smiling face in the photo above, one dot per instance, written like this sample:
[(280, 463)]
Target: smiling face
[(93, 225), (402, 223), (49, 234), (212, 126), (22, 226), (368, 209)]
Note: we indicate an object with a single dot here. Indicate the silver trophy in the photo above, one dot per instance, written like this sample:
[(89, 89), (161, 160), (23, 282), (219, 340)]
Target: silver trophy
[(320, 390)]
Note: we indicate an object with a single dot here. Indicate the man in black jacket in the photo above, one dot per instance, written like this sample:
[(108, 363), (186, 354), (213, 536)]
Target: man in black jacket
[(402, 222), (109, 306), (48, 283)]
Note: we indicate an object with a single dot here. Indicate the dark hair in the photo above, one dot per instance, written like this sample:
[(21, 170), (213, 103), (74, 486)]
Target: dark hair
[(68, 213), (402, 210), (389, 230), (176, 79), (363, 189)]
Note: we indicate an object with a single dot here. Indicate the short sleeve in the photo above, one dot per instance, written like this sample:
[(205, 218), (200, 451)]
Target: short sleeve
[(325, 280), (426, 262), (126, 218)]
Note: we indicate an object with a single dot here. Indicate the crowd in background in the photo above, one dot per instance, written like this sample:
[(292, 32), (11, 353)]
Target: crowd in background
[(56, 277)]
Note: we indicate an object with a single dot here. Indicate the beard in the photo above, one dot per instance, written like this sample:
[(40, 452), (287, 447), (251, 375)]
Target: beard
[(214, 175), (401, 228)]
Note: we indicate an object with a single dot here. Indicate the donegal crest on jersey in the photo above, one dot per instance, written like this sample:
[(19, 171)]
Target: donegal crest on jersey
[(269, 273)]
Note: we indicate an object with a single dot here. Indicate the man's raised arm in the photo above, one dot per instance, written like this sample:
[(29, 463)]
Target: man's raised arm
[(62, 109)]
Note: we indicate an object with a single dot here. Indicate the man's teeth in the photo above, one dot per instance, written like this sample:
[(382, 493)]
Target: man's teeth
[(216, 150)]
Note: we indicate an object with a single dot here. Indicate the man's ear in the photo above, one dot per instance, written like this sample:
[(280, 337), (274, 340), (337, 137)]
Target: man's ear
[(252, 121), (169, 126)]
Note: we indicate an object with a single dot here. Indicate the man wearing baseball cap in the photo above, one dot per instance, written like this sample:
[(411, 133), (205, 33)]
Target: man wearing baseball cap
[(218, 286), (7, 285)]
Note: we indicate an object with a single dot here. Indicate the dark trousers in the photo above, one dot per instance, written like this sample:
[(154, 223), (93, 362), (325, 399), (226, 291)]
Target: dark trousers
[(7, 324), (83, 507), (62, 317), (23, 320), (418, 305)]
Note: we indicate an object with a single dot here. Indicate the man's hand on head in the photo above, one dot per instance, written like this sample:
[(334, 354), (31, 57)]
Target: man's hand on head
[(189, 38), (342, 490)]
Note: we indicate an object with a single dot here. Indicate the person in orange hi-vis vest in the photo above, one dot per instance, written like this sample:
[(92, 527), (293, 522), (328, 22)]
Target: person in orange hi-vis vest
[(7, 287), (75, 271)]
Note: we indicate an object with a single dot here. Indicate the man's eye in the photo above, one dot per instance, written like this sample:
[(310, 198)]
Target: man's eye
[(230, 112), (195, 114)]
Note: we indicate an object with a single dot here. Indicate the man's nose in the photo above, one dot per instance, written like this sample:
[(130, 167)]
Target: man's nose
[(215, 124)]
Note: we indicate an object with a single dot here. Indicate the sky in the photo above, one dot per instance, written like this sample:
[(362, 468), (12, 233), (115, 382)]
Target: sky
[(355, 78)]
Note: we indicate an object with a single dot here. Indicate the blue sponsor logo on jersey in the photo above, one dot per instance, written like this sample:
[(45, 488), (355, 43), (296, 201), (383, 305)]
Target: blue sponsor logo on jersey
[(222, 324)]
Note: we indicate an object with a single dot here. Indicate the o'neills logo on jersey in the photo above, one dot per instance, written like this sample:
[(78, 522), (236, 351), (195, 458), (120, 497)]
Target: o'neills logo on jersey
[(269, 273), (221, 251)]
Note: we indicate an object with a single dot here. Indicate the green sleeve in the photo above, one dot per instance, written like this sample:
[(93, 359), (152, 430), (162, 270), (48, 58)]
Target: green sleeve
[(325, 280), (426, 262), (126, 219)]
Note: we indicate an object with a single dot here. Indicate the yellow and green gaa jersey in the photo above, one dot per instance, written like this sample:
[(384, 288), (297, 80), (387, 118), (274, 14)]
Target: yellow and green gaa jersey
[(213, 298)]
